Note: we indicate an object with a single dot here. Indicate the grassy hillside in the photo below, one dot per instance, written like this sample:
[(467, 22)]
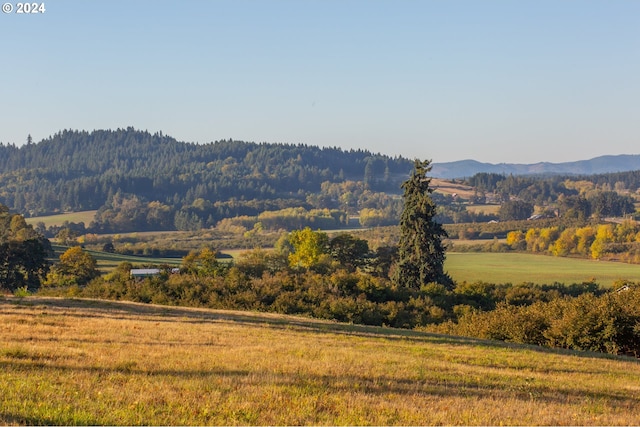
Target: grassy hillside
[(94, 362), (448, 187), (517, 268)]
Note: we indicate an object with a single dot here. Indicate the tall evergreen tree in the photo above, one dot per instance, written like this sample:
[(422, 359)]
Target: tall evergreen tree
[(421, 252)]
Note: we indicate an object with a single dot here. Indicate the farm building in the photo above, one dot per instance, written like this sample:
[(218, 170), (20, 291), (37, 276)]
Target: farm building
[(144, 272)]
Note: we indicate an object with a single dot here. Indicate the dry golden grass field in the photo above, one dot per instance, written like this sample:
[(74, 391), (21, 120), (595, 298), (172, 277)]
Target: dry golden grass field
[(446, 186), (58, 220), (66, 361)]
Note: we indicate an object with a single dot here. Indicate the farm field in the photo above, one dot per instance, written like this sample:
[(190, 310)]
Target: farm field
[(58, 220), (517, 268), (69, 361), (486, 209), (107, 261), (445, 186)]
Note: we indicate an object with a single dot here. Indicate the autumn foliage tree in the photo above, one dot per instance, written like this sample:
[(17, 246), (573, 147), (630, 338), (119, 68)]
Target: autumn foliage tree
[(308, 247), (76, 267)]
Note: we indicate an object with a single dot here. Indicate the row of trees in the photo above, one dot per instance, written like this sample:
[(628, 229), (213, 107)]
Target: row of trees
[(531, 189), (599, 204), (542, 190), (290, 219), (598, 241)]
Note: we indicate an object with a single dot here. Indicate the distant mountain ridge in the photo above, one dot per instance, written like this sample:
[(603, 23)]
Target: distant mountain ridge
[(597, 165)]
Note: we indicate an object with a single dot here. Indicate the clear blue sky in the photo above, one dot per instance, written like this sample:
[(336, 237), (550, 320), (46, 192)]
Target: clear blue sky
[(495, 81)]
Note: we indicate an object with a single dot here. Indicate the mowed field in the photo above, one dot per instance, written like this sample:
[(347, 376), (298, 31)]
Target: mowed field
[(517, 268), (58, 220), (109, 261), (94, 362)]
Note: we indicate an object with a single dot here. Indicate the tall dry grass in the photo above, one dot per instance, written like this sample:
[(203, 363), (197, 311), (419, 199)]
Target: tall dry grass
[(92, 362)]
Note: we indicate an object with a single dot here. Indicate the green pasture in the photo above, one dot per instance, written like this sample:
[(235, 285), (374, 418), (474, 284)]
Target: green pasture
[(543, 269), (108, 261)]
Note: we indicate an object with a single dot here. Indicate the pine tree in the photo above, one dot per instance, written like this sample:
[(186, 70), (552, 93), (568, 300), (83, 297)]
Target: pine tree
[(421, 252)]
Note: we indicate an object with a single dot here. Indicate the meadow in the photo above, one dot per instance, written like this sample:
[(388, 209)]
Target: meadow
[(518, 268), (484, 209), (59, 219), (109, 261), (69, 361)]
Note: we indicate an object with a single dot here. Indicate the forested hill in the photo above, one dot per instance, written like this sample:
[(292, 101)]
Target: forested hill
[(79, 170)]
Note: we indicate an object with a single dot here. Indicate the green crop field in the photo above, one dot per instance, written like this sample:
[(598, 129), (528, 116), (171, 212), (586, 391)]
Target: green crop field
[(108, 261), (89, 362), (518, 268)]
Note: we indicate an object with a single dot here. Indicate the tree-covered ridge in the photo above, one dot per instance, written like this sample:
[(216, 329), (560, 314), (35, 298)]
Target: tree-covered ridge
[(541, 189), (80, 170)]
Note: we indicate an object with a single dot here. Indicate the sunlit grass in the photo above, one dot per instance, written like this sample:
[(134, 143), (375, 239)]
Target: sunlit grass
[(93, 362), (517, 268), (59, 219), (485, 209)]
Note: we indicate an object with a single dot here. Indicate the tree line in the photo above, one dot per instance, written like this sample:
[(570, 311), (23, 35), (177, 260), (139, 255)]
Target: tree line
[(603, 241), (544, 188)]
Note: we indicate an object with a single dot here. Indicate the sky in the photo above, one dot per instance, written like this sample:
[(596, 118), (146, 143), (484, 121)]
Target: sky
[(495, 81)]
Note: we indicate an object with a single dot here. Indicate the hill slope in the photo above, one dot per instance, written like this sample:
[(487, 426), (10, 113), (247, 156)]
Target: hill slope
[(126, 364), (75, 171)]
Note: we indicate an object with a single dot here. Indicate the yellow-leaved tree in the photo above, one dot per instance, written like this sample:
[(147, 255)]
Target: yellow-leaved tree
[(76, 267), (309, 247), (604, 235)]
